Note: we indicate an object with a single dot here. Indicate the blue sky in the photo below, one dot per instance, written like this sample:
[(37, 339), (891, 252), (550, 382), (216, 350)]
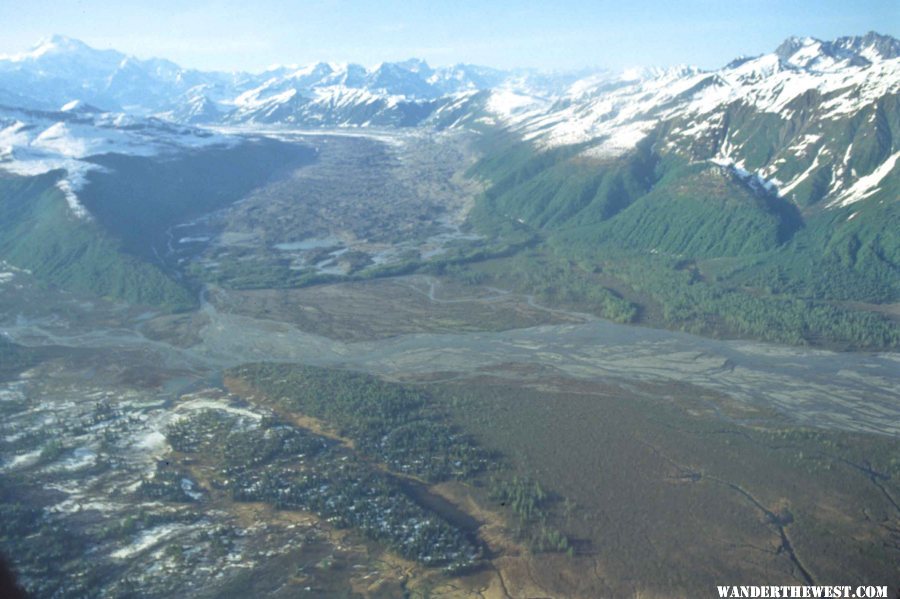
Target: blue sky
[(561, 34)]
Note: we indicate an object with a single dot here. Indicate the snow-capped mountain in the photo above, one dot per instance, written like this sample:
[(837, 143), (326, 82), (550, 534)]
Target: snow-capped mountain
[(596, 108), (390, 94), (811, 121), (60, 69)]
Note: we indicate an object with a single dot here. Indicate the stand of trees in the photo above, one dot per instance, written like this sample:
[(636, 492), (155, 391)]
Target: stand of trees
[(530, 504), (289, 468), (394, 423)]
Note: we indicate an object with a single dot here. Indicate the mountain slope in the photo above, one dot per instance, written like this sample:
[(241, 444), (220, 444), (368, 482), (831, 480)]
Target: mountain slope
[(39, 233), (760, 199), (86, 197), (811, 119), (701, 210), (14, 358), (774, 177), (782, 152)]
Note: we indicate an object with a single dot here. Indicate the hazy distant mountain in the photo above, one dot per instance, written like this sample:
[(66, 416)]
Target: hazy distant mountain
[(59, 70)]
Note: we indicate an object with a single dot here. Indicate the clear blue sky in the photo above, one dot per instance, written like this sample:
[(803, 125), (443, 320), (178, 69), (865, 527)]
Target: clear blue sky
[(253, 34)]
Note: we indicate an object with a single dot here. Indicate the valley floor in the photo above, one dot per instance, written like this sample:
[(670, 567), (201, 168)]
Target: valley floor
[(423, 431)]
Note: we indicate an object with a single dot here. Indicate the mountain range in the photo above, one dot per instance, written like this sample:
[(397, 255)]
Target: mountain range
[(818, 89), (60, 69), (785, 163)]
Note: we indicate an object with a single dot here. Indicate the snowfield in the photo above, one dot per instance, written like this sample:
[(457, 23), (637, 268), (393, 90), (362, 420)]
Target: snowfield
[(34, 143), (615, 110), (867, 185)]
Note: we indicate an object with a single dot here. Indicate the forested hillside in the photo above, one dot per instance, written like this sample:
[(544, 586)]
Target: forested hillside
[(695, 245)]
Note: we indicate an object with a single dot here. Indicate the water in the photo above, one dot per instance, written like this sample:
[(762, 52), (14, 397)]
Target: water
[(842, 390), (312, 243)]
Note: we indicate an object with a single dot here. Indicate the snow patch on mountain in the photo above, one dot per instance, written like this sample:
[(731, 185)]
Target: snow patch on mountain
[(802, 146), (35, 143), (507, 102), (867, 185), (789, 187), (613, 112), (755, 180)]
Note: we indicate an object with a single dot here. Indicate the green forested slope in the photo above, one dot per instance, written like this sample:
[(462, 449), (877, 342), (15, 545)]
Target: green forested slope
[(851, 253), (557, 188), (702, 210), (39, 232), (696, 246), (132, 202)]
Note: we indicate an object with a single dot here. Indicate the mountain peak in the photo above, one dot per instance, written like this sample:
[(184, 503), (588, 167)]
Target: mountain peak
[(792, 45), (415, 65), (57, 43), (54, 44), (872, 45), (79, 106), (814, 54), (651, 72)]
